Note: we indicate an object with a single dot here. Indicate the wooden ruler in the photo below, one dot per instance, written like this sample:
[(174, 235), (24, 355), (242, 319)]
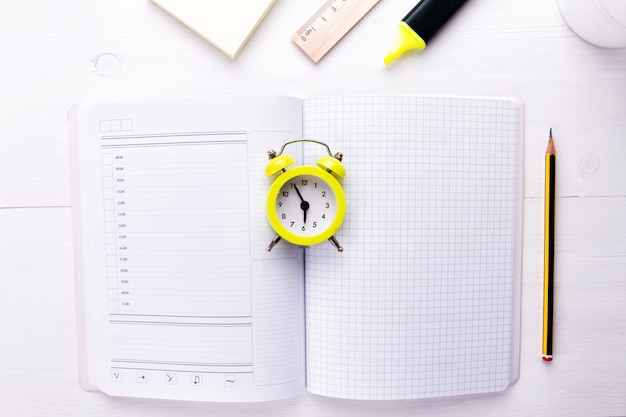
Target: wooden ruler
[(329, 24)]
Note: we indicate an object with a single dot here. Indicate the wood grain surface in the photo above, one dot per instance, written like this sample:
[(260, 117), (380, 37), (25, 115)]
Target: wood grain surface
[(55, 54)]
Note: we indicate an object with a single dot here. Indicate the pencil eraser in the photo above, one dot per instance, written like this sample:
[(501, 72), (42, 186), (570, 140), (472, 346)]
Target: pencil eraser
[(547, 358)]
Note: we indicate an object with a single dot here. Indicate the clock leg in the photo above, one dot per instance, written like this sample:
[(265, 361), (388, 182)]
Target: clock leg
[(333, 241), (273, 243)]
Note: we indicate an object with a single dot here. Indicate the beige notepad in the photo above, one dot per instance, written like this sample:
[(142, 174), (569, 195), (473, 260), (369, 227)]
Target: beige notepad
[(226, 24)]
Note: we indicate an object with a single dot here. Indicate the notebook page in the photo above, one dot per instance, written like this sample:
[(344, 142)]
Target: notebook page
[(424, 300), (182, 301)]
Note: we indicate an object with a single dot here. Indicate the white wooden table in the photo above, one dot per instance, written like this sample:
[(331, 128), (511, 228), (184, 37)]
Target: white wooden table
[(54, 54)]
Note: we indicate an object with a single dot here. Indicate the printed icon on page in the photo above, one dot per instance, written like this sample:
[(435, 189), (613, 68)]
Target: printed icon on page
[(230, 380), (196, 380), (141, 377), (170, 378), (116, 375)]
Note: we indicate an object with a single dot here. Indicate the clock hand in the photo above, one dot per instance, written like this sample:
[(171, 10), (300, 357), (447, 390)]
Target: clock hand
[(298, 191), (304, 205)]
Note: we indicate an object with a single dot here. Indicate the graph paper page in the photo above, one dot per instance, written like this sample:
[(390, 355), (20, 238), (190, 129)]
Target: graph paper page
[(424, 299)]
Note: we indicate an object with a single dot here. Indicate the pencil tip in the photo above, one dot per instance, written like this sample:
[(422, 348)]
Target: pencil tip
[(550, 149)]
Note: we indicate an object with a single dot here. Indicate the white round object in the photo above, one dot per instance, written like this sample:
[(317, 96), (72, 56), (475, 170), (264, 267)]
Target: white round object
[(599, 22)]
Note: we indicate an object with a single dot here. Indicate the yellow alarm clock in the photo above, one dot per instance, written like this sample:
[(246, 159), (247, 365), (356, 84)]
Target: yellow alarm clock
[(306, 204)]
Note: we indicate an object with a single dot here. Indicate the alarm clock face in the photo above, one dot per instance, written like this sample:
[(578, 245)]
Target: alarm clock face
[(306, 205)]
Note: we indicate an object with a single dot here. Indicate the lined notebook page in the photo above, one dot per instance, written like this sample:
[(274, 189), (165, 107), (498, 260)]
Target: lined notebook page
[(424, 300), (181, 300)]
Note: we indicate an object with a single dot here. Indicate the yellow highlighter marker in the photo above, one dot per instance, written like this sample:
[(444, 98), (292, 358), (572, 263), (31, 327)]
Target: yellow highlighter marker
[(421, 24)]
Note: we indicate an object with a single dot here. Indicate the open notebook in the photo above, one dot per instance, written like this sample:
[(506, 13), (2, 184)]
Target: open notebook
[(180, 299)]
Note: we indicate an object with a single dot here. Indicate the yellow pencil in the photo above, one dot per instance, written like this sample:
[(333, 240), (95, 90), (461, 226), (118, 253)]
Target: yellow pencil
[(548, 259)]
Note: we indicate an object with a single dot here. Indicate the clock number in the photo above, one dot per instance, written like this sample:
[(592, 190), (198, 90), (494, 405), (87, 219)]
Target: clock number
[(314, 224), (285, 194), (327, 205), (283, 216), (292, 224), (303, 228), (323, 193), (305, 182)]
